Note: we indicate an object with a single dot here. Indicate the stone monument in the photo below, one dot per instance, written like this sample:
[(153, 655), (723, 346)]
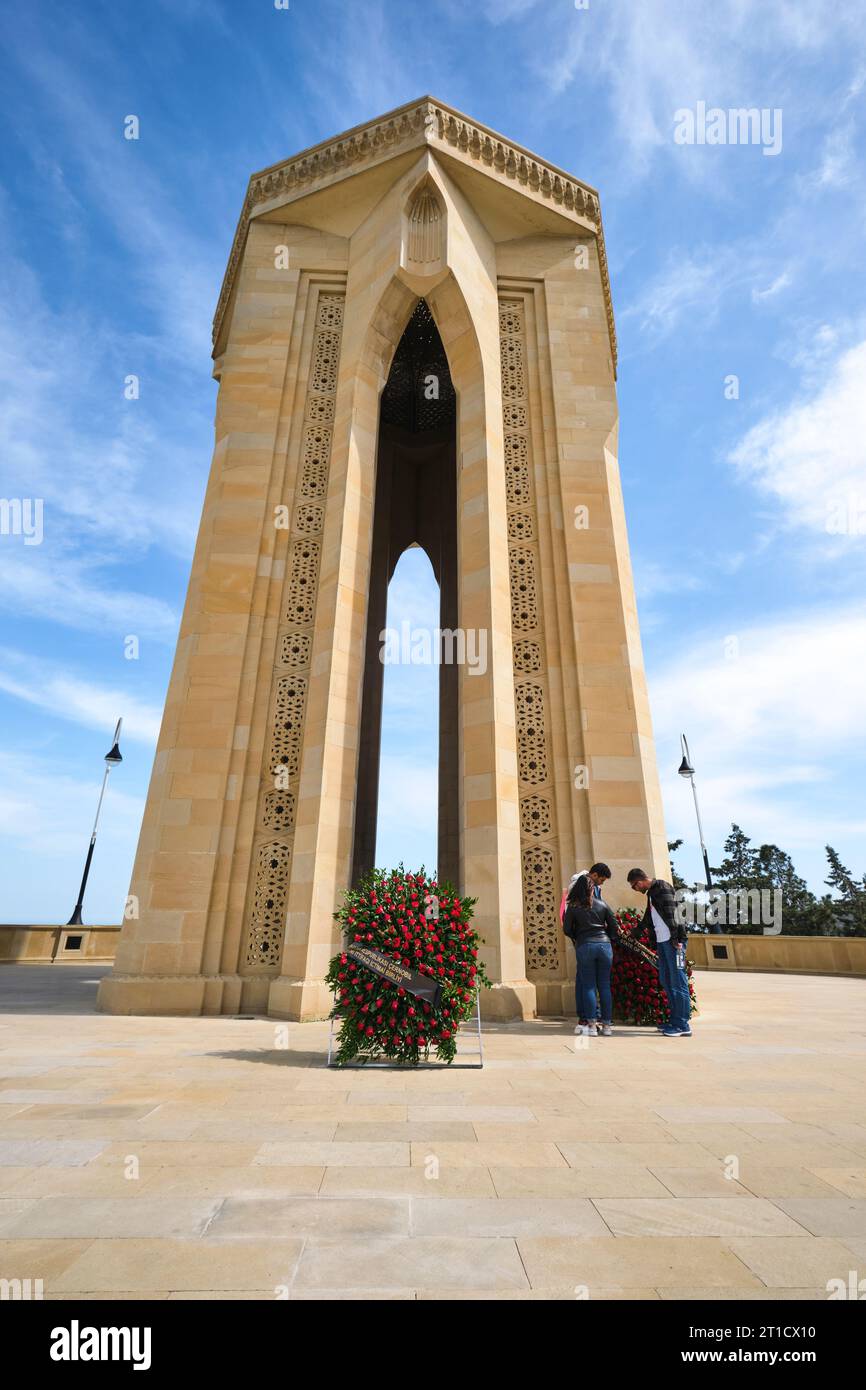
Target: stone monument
[(414, 344)]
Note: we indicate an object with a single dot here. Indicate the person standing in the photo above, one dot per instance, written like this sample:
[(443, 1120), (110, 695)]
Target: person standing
[(593, 928), (668, 938), (589, 891)]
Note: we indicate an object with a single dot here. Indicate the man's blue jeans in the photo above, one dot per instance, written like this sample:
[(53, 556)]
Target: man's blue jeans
[(595, 961), (675, 984)]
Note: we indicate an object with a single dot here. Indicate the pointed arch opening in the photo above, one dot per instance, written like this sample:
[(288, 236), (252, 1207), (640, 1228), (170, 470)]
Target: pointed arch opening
[(415, 506)]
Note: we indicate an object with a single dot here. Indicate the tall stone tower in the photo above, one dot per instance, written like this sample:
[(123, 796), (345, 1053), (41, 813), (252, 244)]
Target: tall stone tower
[(420, 247)]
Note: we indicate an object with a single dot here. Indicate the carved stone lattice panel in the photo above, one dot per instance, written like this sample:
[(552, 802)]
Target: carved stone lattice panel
[(329, 312), (321, 409), (295, 649), (535, 816), (518, 490), (278, 804), (521, 526), (537, 820), (540, 909), (513, 368), (278, 810), (326, 355), (514, 415), (303, 574), (531, 743), (524, 597), (309, 519), (510, 320), (527, 658), (265, 939), (314, 461), (288, 722)]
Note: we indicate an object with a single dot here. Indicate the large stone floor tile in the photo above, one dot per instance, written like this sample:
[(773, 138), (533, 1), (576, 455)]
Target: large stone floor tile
[(473, 1114), (59, 1153), (618, 1155), (777, 1155), (175, 1265), (632, 1261), (420, 1131), (414, 1263), (154, 1153), (696, 1216), (827, 1216), (296, 1181), (38, 1259), (699, 1182), (11, 1210), (506, 1216), (800, 1263), (407, 1182), (268, 1132), (547, 1131), (570, 1183), (346, 1155), (106, 1217), (10, 1177), (717, 1114), (489, 1155), (267, 1215), (851, 1181), (766, 1180)]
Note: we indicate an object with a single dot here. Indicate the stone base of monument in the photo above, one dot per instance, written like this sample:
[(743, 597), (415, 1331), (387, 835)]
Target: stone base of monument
[(510, 1000)]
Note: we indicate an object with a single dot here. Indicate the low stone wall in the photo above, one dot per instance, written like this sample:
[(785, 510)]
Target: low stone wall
[(23, 945), (794, 955), (805, 955)]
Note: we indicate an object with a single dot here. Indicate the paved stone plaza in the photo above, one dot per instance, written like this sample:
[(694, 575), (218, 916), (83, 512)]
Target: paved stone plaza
[(261, 1171)]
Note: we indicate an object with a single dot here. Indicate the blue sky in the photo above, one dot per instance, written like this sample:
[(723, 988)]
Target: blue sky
[(725, 261)]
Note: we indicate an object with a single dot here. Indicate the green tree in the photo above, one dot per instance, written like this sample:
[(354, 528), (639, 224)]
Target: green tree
[(678, 882), (738, 872), (739, 868), (850, 906), (802, 913)]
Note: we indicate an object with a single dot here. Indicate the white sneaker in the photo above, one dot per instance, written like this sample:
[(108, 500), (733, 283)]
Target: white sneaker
[(606, 1030), (589, 1030)]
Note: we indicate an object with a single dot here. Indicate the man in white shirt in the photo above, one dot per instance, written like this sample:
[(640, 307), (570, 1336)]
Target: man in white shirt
[(668, 938)]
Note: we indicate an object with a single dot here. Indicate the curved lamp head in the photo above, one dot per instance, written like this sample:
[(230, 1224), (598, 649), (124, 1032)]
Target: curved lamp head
[(685, 768), (113, 756)]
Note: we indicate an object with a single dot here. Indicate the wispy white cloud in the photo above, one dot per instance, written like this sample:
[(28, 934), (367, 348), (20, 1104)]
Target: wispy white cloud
[(780, 283), (810, 455), (704, 281), (67, 696)]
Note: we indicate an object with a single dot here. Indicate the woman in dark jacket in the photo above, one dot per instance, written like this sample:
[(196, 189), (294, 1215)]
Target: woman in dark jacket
[(592, 929)]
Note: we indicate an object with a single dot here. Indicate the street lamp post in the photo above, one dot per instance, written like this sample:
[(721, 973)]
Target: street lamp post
[(112, 758), (686, 770)]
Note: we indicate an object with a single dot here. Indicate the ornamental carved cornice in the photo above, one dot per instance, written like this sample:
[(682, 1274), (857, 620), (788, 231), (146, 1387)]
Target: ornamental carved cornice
[(421, 122)]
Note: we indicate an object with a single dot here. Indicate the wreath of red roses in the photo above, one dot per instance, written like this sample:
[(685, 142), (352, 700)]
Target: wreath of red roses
[(424, 926)]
